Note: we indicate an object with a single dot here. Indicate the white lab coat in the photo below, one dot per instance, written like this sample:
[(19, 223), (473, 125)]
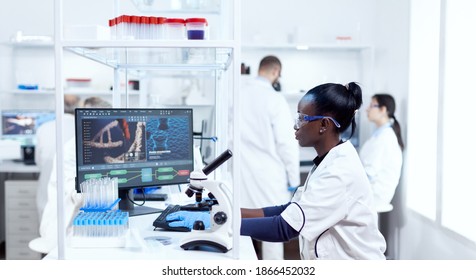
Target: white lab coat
[(382, 160), (333, 211), (270, 154), (45, 150), (48, 239)]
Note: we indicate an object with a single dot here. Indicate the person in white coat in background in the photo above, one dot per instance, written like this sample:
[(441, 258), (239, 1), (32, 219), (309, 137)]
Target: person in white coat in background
[(381, 154), (48, 228), (270, 161), (45, 148)]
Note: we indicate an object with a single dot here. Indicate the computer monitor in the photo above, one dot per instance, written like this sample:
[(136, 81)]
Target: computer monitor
[(141, 147), (22, 123)]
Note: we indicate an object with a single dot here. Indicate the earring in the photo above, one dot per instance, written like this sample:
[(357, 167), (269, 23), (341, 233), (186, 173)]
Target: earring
[(321, 131)]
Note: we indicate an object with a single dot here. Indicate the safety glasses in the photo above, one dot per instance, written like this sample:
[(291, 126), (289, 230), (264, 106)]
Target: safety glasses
[(303, 119)]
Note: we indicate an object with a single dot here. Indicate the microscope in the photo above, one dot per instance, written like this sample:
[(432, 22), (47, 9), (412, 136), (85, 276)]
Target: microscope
[(219, 236)]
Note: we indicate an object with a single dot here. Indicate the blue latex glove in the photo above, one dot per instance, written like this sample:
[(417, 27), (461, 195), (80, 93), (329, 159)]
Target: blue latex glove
[(292, 189), (187, 218)]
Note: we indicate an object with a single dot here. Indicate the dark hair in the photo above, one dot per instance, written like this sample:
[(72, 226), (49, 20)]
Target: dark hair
[(338, 101), (268, 62), (384, 99)]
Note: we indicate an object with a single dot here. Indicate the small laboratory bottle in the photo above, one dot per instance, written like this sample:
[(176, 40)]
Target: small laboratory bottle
[(175, 28), (196, 28)]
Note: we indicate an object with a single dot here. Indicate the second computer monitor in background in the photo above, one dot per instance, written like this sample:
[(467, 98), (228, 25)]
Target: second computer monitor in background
[(23, 123), (141, 147)]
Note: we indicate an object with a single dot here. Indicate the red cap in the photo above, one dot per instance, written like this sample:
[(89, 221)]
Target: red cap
[(152, 20), (157, 20), (196, 20), (144, 20), (135, 19), (126, 18), (175, 20)]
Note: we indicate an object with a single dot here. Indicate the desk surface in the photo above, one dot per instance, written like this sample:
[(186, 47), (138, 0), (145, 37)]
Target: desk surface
[(141, 243), (10, 166)]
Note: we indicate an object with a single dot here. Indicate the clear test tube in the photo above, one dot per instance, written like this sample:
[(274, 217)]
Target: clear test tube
[(121, 227), (87, 226), (157, 27), (91, 225), (115, 222), (153, 26), (134, 27), (116, 191), (107, 187), (100, 193), (103, 226), (76, 223), (160, 35), (105, 192), (97, 224), (92, 192), (126, 28), (144, 26), (110, 224), (87, 193), (121, 27), (112, 28), (82, 228)]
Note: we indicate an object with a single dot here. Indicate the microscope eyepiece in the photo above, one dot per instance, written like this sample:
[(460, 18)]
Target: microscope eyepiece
[(217, 162)]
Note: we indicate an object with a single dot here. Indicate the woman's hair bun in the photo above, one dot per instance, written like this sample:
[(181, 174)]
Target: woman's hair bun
[(356, 91)]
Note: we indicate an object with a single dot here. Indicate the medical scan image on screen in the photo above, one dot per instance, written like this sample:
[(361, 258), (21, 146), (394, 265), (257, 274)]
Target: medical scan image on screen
[(141, 147), (24, 122)]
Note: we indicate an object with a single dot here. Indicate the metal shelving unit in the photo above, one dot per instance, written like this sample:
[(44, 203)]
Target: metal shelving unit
[(220, 58)]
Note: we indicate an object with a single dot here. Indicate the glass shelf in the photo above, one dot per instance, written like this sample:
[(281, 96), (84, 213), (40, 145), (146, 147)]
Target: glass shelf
[(77, 91), (150, 55), (29, 44), (307, 47), (178, 6)]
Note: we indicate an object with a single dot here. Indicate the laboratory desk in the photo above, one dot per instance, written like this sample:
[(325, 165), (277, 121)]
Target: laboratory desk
[(143, 242), (10, 166)]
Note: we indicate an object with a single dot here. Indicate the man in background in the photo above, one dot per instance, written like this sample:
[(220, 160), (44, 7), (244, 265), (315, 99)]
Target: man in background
[(45, 148), (270, 169), (48, 220)]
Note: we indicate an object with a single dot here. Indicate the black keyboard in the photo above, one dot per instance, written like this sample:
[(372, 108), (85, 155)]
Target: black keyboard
[(150, 196), (160, 222)]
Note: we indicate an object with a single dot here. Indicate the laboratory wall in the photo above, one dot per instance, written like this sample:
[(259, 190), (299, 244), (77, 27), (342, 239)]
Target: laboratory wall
[(382, 26)]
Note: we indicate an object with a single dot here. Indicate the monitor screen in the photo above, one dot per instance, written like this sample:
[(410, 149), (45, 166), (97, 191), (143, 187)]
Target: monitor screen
[(141, 147), (23, 123)]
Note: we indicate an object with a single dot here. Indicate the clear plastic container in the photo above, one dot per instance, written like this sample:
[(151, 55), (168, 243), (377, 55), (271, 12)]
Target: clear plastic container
[(175, 28), (196, 28)]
